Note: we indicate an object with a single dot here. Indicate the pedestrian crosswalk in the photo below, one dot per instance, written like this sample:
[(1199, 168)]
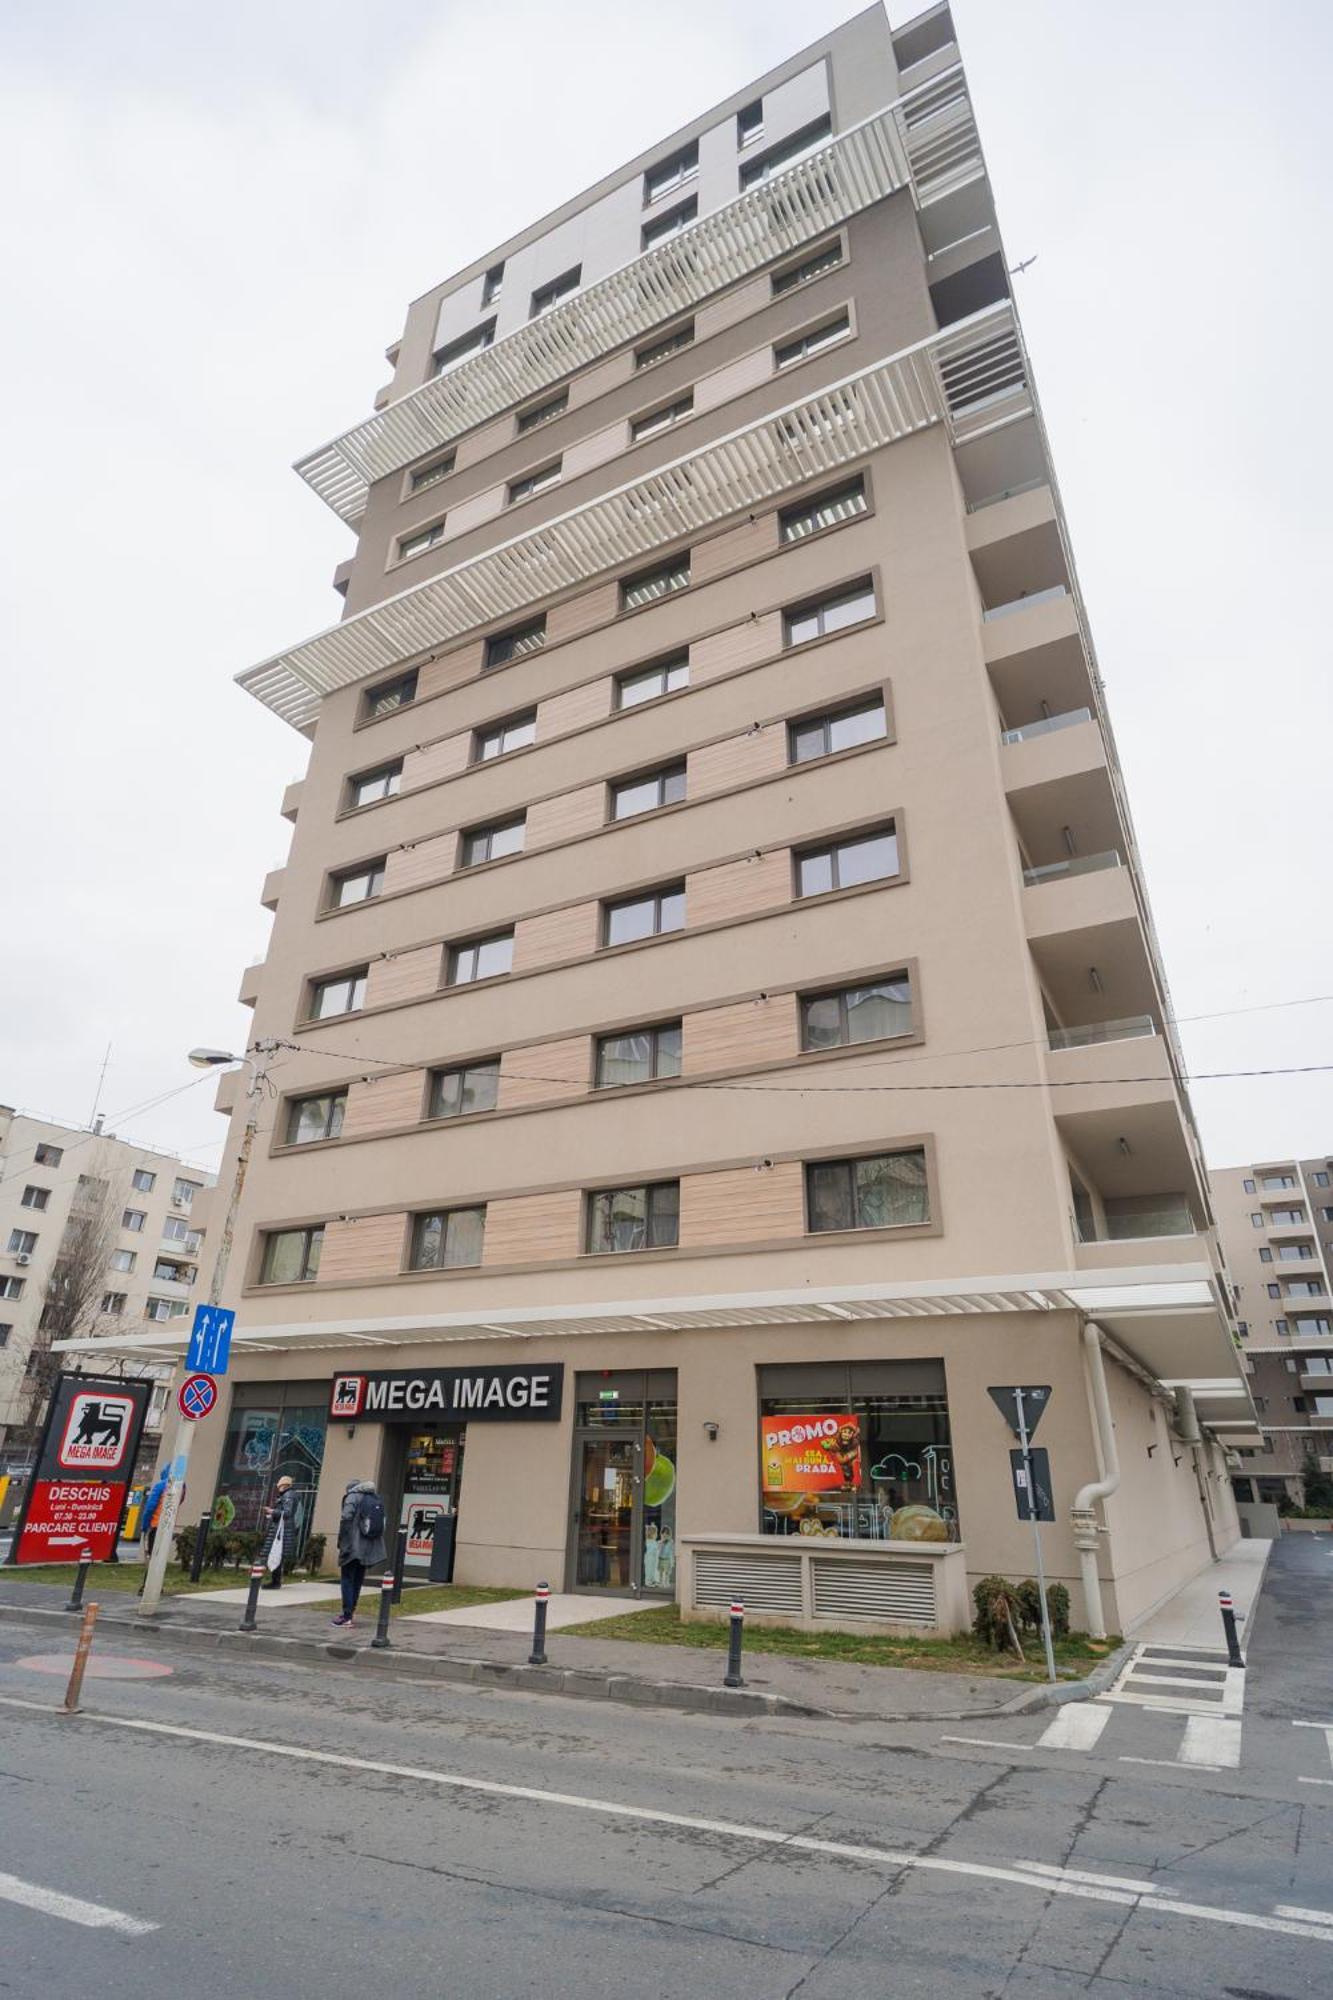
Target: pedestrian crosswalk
[(1166, 1680)]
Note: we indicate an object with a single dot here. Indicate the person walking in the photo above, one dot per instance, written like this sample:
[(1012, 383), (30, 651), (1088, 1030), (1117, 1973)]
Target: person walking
[(152, 1510), (360, 1542), (280, 1539)]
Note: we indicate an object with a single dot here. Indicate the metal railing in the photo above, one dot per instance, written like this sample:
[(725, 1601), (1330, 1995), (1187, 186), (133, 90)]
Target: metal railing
[(1131, 1028), (1047, 724), (1075, 864)]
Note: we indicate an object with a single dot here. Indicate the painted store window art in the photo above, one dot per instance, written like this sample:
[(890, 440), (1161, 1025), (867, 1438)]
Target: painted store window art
[(857, 1451)]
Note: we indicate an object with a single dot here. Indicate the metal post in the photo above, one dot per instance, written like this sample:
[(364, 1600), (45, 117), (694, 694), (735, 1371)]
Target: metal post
[(200, 1544), (81, 1652), (1036, 1533), (732, 1677), (76, 1595), (252, 1600), (381, 1638), (1234, 1657), (399, 1563), (537, 1657)]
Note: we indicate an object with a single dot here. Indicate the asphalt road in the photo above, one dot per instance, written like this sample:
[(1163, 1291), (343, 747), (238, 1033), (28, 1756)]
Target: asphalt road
[(503, 1845)]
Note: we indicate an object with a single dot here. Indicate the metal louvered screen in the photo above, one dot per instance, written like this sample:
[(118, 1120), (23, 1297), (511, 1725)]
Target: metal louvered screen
[(897, 1592), (763, 1583)]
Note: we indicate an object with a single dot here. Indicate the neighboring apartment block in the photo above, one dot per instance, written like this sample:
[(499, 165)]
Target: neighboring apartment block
[(722, 1030), (1276, 1225)]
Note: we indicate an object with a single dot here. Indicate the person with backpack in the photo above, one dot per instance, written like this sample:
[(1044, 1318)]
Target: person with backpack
[(360, 1542)]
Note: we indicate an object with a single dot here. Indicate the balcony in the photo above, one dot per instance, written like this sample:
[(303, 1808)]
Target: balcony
[(1073, 864), (1132, 1158), (1109, 1073), (1048, 724), (1095, 1032), (1015, 544), (272, 889), (1062, 801), (1035, 657), (251, 981), (291, 800)]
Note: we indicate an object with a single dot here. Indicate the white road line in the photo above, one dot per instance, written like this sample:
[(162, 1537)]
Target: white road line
[(94, 1916), (989, 1743), (1304, 1916), (1212, 1740), (1112, 1881), (878, 1857), (1077, 1726), (1314, 1781), (1167, 1763)]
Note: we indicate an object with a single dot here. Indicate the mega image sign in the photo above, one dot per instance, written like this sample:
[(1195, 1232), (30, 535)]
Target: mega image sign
[(450, 1395), (78, 1491)]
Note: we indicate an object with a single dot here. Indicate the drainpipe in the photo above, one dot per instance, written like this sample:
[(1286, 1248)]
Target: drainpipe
[(1082, 1519), (1187, 1428)]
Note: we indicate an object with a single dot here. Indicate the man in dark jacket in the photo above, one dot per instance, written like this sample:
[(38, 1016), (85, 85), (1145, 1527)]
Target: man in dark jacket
[(360, 1542), (279, 1542)]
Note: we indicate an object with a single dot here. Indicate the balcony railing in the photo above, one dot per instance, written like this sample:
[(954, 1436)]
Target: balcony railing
[(1025, 603), (1171, 1218), (1075, 864), (1131, 1028), (1069, 720)]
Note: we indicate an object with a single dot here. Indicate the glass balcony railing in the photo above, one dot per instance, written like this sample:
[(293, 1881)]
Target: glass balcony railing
[(1130, 1029), (1169, 1217), (1074, 864), (1026, 603), (1047, 724)]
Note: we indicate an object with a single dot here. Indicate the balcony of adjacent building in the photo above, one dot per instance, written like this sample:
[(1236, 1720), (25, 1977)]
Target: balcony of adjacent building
[(1135, 1197)]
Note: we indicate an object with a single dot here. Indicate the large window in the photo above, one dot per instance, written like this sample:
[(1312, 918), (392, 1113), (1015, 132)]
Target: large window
[(12, 1288), (823, 735), (549, 295), (497, 739), (631, 796), (22, 1242), (645, 916), (455, 1093), (274, 1430), (825, 510), (858, 1449), (786, 152), (648, 683), (813, 341), (634, 1218), (367, 788), (850, 606), (845, 864), (446, 1239), (342, 993), (47, 1156), (665, 344), (123, 1260), (176, 1229), (492, 843), (639, 1055), (651, 584), (462, 349), (483, 958), (162, 1309), (357, 885), (502, 647), (883, 1191), (874, 1012), (389, 695), (310, 1119), (291, 1256)]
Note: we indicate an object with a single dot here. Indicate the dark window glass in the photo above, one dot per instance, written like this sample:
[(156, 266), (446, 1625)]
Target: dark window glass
[(291, 1256), (389, 695), (542, 413), (813, 266), (651, 584), (886, 1191), (867, 857), (869, 1013), (311, 1118), (645, 916), (502, 647), (455, 1093), (639, 795), (666, 344), (432, 474), (642, 1055), (445, 1240), (635, 1218)]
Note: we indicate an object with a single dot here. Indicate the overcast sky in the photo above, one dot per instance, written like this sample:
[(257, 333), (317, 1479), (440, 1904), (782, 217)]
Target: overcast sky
[(216, 218)]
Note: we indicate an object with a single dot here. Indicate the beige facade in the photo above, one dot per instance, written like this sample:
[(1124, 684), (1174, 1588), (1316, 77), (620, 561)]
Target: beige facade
[(765, 730)]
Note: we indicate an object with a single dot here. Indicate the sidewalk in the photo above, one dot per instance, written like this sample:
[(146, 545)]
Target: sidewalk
[(1191, 1616)]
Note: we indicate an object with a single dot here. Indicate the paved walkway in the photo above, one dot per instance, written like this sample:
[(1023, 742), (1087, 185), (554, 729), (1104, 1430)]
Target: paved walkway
[(1191, 1617), (514, 1614)]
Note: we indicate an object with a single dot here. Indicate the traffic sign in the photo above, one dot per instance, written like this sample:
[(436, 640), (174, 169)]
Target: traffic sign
[(1034, 1402), (1032, 1485), (196, 1396), (210, 1340)]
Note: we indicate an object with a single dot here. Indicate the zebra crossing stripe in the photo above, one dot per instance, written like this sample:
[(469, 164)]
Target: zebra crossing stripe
[(1077, 1726), (1211, 1739)]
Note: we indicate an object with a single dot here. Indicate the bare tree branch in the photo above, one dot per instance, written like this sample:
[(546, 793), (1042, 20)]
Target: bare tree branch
[(75, 1286)]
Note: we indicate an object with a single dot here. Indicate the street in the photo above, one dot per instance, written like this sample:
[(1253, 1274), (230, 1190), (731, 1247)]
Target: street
[(293, 1829)]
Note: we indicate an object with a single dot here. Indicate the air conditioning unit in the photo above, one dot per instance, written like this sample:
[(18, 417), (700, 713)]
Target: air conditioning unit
[(22, 1257)]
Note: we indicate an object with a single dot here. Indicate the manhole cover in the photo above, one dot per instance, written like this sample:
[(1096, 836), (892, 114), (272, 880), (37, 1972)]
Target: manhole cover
[(103, 1667)]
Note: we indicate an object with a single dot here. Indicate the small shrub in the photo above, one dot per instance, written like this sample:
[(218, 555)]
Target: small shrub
[(314, 1553), (998, 1613)]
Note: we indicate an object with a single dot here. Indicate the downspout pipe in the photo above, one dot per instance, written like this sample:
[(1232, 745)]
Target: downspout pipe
[(1081, 1515), (1187, 1421)]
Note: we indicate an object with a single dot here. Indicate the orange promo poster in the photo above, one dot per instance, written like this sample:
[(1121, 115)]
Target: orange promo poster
[(809, 1454)]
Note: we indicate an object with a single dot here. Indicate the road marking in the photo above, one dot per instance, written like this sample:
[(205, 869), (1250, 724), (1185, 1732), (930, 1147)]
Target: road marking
[(1211, 1739), (989, 1743), (1111, 1881), (903, 1860), (1305, 1916), (95, 1916), (1076, 1727), (1314, 1781), (1167, 1763)]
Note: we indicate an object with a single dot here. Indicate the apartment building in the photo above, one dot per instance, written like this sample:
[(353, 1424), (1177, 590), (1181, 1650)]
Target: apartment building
[(722, 1030), (1276, 1225), (145, 1206)]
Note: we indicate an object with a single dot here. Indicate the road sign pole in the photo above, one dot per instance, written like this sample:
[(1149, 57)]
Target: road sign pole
[(1036, 1532)]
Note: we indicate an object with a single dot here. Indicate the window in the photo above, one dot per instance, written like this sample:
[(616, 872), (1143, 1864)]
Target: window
[(1294, 1253), (1261, 1404), (534, 482), (843, 864), (357, 885), (176, 1274), (813, 341), (367, 788), (133, 1219), (661, 420), (640, 1055), (1281, 1326), (176, 1229), (124, 1260), (497, 739), (484, 958), (492, 843), (158, 1308), (142, 1181), (551, 294), (1274, 1291), (12, 1288), (750, 123), (673, 173), (1275, 1183), (645, 916), (541, 413), (291, 1256), (870, 1013), (422, 539), (22, 1242), (342, 993), (1320, 1179), (1318, 1323), (1326, 1214), (832, 614), (886, 1191), (1242, 1326), (184, 1192), (1248, 1186), (445, 1240), (6, 1328), (639, 795), (651, 584), (431, 474), (502, 647), (648, 683), (824, 735), (492, 284), (389, 695), (826, 258), (1265, 1255), (456, 1093), (634, 1218), (310, 1119), (1256, 1218), (114, 1302), (457, 351), (1285, 1218), (48, 1156), (785, 154), (662, 226), (665, 344), (35, 1197), (823, 511)]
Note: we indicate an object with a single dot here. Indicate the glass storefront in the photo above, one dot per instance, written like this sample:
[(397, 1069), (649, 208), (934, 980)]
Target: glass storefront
[(857, 1449), (625, 1482), (433, 1480), (274, 1431)]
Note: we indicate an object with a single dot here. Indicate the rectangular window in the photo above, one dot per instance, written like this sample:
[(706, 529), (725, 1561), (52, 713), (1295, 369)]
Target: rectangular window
[(647, 916), (343, 993), (1275, 1183), (357, 885), (1248, 1186), (457, 1093), (640, 795), (12, 1288), (541, 413), (661, 420), (291, 1256), (35, 1197), (184, 1192), (455, 352), (502, 647), (549, 295), (648, 683), (484, 958), (420, 540), (176, 1274), (851, 606), (843, 503), (1320, 1179), (665, 344), (124, 1260), (825, 735), (673, 173), (176, 1229), (634, 1218), (142, 1181), (367, 788), (534, 482), (1326, 1214), (1256, 1218), (750, 123), (431, 474), (389, 695), (812, 265), (310, 1119), (48, 1156), (844, 864), (650, 584), (1281, 1326), (445, 1240), (640, 1055), (662, 226), (1265, 1255), (6, 1328), (492, 284), (1294, 1253), (133, 1219), (1275, 1291), (1313, 1323), (813, 341), (808, 140), (1286, 1218), (492, 843), (114, 1302), (22, 1242), (160, 1309), (497, 739), (886, 1191), (874, 1012)]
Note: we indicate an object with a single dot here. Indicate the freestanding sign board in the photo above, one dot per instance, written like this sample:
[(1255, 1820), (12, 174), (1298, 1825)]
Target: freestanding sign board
[(81, 1481)]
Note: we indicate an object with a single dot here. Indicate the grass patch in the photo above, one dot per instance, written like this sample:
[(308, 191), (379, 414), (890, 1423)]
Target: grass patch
[(664, 1626), (445, 1597), (127, 1576)]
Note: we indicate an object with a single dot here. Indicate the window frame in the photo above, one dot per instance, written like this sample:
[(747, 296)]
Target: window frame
[(488, 1066), (660, 776), (812, 504), (419, 541), (336, 1116), (391, 771), (816, 1162), (678, 169), (22, 1242), (520, 718), (455, 352), (135, 1228), (308, 1231), (116, 1310), (373, 873), (663, 345), (44, 1154), (355, 976), (545, 298), (761, 168), (594, 1196), (409, 680), (797, 272), (36, 1205), (818, 338), (143, 1180), (513, 637), (746, 138), (424, 1216), (827, 718), (11, 1287), (663, 417), (831, 599), (832, 844), (900, 975), (454, 953), (678, 566), (489, 832), (653, 1031), (492, 284), (672, 222), (421, 478), (537, 414), (669, 663), (654, 896), (529, 484)]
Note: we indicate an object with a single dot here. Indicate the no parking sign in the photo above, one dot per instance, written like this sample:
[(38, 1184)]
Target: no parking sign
[(196, 1396)]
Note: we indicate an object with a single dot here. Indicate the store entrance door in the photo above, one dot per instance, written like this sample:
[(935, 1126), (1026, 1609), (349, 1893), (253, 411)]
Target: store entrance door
[(609, 1530), (624, 1483)]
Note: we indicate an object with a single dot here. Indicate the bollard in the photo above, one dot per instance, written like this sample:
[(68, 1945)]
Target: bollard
[(81, 1652), (252, 1600), (381, 1637), (537, 1657), (1234, 1658), (76, 1596), (200, 1546), (399, 1563), (732, 1678)]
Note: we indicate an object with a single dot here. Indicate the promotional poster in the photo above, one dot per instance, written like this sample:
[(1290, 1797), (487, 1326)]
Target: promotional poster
[(811, 1454)]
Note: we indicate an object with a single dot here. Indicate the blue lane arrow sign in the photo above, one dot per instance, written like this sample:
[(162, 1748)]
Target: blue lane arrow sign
[(210, 1340)]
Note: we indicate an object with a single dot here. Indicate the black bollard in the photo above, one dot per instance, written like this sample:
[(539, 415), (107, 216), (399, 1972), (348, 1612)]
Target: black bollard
[(732, 1678), (399, 1564), (252, 1601), (200, 1546), (1234, 1658), (381, 1638), (76, 1596), (537, 1657)]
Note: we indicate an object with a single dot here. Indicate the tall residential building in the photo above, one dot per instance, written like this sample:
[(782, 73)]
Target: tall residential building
[(723, 1034), (1276, 1224)]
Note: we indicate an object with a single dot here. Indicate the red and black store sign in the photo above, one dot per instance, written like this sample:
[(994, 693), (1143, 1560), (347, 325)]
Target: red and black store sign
[(78, 1491)]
